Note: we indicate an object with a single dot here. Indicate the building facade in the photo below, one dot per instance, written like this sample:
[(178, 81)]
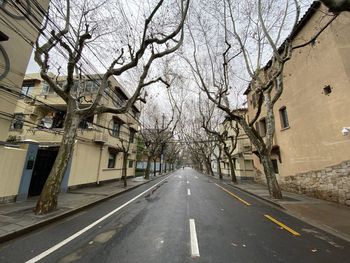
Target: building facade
[(242, 154), (310, 153), (100, 143), (18, 33)]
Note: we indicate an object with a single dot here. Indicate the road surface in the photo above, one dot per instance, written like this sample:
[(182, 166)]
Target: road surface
[(183, 217)]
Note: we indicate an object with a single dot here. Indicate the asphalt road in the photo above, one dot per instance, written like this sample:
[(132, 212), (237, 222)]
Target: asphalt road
[(185, 217)]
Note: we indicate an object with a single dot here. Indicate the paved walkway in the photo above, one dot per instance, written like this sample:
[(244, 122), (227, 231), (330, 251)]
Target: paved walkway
[(18, 218), (328, 216)]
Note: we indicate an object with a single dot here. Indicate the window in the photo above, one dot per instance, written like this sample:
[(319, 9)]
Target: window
[(58, 119), (28, 88), (87, 123), (46, 89), (116, 128), (91, 86), (132, 135), (111, 159), (131, 164), (262, 127), (284, 117), (119, 99), (327, 90), (18, 121), (275, 166)]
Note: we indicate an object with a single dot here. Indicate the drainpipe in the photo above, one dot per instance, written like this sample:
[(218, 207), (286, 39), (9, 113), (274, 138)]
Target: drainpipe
[(99, 165)]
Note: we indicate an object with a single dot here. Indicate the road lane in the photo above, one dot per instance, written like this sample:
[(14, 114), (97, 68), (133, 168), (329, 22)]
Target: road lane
[(38, 241), (154, 229), (230, 231), (213, 224)]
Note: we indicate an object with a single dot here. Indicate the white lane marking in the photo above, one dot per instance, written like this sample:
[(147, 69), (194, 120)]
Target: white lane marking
[(188, 191), (188, 182), (82, 231), (194, 241), (196, 177)]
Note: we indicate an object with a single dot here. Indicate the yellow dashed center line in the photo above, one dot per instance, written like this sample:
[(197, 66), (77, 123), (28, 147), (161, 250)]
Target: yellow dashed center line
[(295, 233), (232, 194)]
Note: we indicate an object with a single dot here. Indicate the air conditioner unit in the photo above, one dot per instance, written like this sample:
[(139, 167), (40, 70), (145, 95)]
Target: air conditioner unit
[(101, 137)]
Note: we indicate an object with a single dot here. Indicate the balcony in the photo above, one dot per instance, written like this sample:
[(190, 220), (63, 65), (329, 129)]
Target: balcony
[(50, 135)]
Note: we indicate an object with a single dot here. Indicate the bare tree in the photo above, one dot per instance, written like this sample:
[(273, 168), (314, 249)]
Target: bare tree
[(200, 144), (266, 82), (250, 31), (153, 43), (171, 155), (125, 146), (158, 129), (225, 133)]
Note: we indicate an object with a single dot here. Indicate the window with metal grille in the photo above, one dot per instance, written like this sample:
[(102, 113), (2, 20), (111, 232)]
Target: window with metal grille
[(111, 159)]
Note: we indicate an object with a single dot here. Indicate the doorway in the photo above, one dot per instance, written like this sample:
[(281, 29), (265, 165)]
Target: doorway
[(42, 167)]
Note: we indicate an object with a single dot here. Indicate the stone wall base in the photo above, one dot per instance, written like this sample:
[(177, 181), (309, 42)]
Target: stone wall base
[(331, 183), (8, 199)]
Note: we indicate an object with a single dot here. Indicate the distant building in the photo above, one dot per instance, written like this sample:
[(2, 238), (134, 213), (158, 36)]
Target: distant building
[(310, 153), (98, 150), (242, 155)]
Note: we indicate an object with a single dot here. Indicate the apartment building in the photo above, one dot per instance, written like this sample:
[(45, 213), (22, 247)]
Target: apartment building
[(241, 155), (311, 151), (18, 31), (100, 143)]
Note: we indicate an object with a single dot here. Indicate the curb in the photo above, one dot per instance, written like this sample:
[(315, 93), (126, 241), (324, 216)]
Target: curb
[(258, 196), (250, 193), (35, 226)]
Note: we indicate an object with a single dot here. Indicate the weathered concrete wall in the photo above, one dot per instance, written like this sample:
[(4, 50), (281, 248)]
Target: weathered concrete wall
[(11, 167)]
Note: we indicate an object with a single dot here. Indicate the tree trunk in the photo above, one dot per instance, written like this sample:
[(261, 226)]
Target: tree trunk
[(160, 166), (154, 167), (265, 156), (210, 170), (148, 167), (124, 170), (272, 183), (232, 170), (48, 198), (219, 167)]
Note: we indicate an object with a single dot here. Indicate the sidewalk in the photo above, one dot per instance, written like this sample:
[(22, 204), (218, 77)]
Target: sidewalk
[(18, 218), (330, 217)]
